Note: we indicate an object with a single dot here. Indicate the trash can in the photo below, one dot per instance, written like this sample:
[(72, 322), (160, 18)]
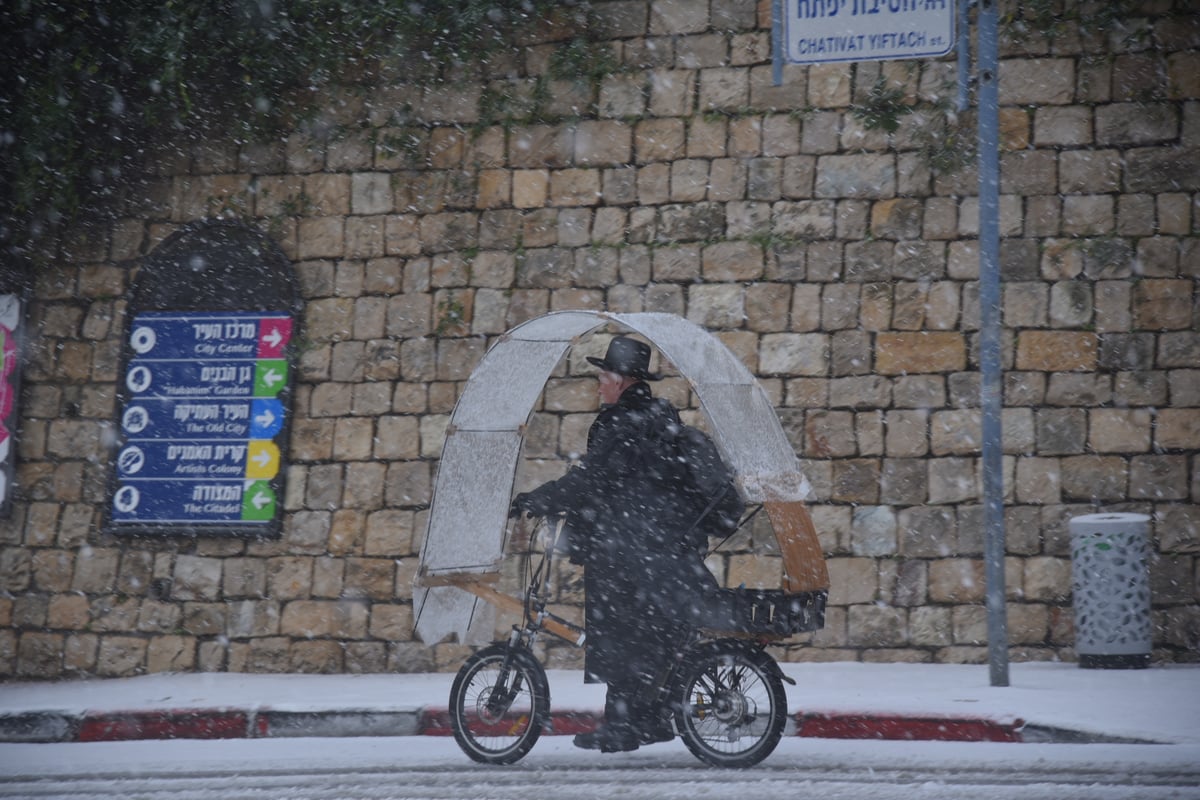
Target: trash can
[(1111, 582)]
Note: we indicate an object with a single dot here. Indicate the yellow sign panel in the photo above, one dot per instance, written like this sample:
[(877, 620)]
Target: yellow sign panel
[(262, 459)]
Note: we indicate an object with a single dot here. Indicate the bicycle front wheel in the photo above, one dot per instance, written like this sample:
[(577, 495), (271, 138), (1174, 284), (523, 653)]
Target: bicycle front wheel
[(499, 704), (732, 707)]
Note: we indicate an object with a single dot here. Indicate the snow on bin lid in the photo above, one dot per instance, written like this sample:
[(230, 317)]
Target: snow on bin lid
[(471, 494), (1114, 518)]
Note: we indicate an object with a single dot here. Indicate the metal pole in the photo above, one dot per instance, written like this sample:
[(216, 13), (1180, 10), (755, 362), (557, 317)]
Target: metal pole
[(777, 42), (989, 340), (964, 54)]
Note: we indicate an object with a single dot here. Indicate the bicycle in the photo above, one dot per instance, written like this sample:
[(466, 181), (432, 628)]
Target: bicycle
[(723, 695)]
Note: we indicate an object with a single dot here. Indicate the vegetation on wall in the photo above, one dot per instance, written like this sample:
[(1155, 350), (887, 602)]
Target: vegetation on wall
[(86, 87)]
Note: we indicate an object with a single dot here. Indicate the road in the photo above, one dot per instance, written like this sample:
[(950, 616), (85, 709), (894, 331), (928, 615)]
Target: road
[(423, 767)]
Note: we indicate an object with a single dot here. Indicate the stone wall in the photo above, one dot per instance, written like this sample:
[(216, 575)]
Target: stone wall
[(838, 259)]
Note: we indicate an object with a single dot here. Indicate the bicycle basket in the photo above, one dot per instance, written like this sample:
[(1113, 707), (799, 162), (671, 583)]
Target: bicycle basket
[(766, 611)]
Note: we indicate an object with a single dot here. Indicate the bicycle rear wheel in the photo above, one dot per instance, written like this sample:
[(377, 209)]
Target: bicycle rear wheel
[(732, 707), (499, 704)]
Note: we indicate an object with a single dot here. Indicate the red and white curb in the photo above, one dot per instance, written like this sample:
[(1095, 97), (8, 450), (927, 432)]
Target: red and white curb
[(114, 726)]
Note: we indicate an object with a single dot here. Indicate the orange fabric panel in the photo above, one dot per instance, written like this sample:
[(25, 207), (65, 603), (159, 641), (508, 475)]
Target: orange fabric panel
[(804, 568)]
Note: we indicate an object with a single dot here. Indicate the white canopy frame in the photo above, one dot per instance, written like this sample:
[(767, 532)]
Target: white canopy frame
[(463, 547)]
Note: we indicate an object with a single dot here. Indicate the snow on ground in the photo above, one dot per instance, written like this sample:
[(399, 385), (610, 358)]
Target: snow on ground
[(1159, 704)]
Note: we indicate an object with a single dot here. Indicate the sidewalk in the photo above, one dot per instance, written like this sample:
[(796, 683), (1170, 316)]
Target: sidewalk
[(1045, 702)]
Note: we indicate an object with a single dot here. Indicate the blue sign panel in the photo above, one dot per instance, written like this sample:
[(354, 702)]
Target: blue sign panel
[(170, 501), (200, 419), (157, 418)]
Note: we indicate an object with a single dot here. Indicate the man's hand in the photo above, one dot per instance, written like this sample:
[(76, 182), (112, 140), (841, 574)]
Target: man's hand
[(520, 504)]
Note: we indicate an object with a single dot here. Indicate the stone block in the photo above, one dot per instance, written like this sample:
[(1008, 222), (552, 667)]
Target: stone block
[(873, 531), (764, 178), (1038, 481), (70, 612), (1162, 304), (1177, 429), (659, 140), (767, 306), (364, 486), (732, 261), (1070, 304), (1136, 123), (897, 219), (96, 573), (1037, 81), (1090, 478), (449, 231), (716, 306), (829, 85), (120, 656), (877, 626), (1056, 351), (668, 18), (969, 625), (930, 626), (928, 532), (1062, 126), (1178, 529), (829, 434), (956, 580), (907, 583), (244, 577), (868, 391), (856, 480), (724, 89), (952, 480), (171, 654), (866, 176), (372, 578), (696, 222), (904, 481), (1119, 430), (1158, 477), (391, 622), (320, 618), (622, 96), (852, 581), (289, 577), (371, 193), (1162, 169), (1047, 579), (1089, 171), (955, 432), (907, 353), (804, 219), (1088, 214)]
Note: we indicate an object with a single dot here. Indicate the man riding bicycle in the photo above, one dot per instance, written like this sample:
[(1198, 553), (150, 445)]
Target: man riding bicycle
[(630, 523)]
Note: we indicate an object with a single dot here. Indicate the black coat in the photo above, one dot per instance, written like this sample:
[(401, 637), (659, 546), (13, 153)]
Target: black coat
[(643, 585)]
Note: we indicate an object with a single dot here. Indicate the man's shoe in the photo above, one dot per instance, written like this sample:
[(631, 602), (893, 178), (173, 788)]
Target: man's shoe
[(606, 740), (618, 744), (587, 741), (657, 732)]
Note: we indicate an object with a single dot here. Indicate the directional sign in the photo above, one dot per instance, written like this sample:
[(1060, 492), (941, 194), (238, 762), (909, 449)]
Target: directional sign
[(200, 419), (192, 418), (819, 31), (189, 501)]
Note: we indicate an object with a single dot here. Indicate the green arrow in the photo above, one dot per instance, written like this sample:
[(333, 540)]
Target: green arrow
[(269, 377), (258, 501)]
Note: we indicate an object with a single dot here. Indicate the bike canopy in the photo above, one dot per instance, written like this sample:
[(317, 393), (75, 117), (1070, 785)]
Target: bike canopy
[(464, 541)]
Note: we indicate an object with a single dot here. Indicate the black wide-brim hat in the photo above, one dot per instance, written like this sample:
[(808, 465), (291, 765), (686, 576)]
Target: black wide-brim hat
[(627, 357)]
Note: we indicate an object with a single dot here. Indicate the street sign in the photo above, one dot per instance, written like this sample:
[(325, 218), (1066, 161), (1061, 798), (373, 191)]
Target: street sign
[(200, 420), (819, 31)]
